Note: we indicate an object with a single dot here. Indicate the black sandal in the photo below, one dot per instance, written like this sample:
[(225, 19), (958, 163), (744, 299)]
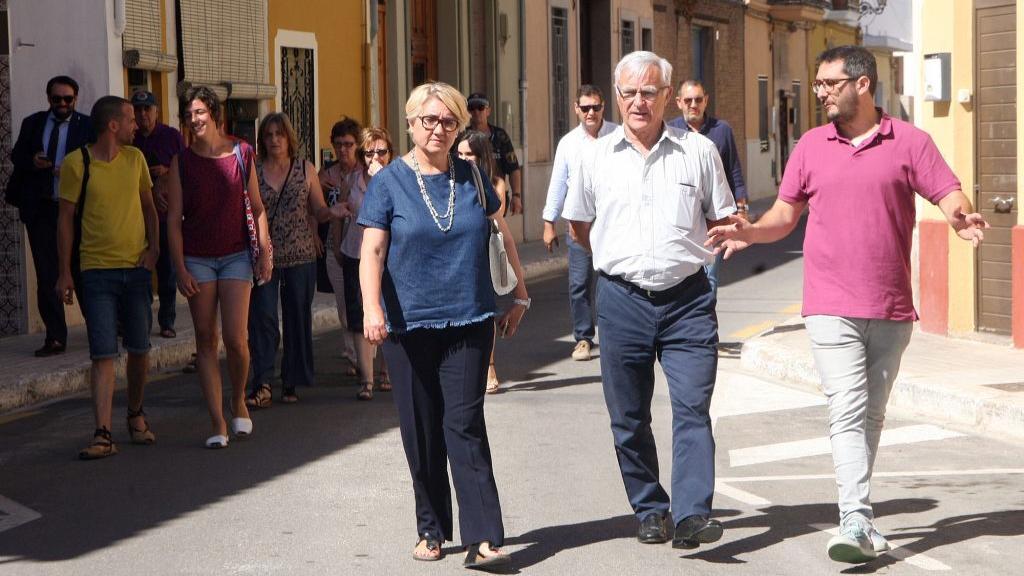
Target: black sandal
[(261, 398), (102, 446), (143, 436), (477, 561), (433, 545)]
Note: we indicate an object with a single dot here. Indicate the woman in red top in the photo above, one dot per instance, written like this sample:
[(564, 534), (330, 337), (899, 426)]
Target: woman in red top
[(209, 243)]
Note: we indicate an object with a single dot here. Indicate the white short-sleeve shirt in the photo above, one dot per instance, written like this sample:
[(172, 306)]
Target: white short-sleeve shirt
[(649, 214)]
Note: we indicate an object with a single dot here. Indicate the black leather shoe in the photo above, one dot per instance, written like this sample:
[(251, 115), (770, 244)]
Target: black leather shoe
[(50, 347), (653, 529), (693, 531)]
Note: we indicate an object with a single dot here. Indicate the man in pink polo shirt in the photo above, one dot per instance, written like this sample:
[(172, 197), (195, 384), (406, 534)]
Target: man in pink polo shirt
[(858, 174)]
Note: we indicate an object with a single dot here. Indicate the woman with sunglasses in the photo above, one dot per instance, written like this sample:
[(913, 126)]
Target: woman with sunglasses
[(424, 257), (375, 149), (475, 147), (335, 182)]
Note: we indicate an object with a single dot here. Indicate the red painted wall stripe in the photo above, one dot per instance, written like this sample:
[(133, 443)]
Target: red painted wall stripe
[(933, 236), (1017, 290)]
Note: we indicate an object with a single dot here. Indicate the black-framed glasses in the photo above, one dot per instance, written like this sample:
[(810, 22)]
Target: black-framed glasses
[(430, 123), (829, 84), (343, 144), (587, 108), (694, 100), (57, 99), (371, 152), (647, 93)]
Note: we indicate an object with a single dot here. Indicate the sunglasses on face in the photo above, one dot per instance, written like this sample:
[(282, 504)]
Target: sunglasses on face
[(694, 100), (476, 107), (57, 99), (370, 153), (587, 108)]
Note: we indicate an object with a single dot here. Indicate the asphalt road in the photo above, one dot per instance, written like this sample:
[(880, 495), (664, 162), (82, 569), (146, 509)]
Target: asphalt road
[(322, 486)]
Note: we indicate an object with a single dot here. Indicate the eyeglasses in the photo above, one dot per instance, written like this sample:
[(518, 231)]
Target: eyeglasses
[(647, 93), (343, 144), (369, 153), (694, 100), (586, 108), (829, 84), (430, 123), (57, 99)]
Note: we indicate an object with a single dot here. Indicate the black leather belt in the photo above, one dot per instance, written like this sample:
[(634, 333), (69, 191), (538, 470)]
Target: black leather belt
[(666, 294)]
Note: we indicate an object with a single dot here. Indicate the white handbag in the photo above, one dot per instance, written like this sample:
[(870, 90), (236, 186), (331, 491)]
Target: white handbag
[(502, 276)]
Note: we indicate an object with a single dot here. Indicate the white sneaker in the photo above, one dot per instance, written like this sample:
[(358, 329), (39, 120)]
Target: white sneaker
[(852, 545), (878, 542), (582, 351)]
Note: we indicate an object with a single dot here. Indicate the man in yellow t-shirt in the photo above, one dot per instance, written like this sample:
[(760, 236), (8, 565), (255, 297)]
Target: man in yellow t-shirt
[(119, 249)]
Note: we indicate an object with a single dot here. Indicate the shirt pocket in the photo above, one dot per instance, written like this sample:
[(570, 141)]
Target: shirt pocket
[(681, 205)]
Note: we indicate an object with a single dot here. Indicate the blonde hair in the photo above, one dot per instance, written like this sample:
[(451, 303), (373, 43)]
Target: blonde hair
[(446, 93), (370, 135), (282, 120)]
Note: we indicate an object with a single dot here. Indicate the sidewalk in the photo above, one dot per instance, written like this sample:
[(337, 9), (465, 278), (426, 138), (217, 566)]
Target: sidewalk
[(971, 385), (26, 380)]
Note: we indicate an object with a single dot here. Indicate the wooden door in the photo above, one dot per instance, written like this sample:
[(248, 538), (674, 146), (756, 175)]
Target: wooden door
[(423, 25), (995, 157)]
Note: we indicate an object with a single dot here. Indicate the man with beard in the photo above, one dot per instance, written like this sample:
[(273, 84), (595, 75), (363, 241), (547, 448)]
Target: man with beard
[(45, 138), (858, 174), (642, 200), (109, 184), (693, 101)]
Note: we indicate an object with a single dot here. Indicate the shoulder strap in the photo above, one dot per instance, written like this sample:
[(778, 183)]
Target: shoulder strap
[(242, 165), (85, 179), (479, 186)]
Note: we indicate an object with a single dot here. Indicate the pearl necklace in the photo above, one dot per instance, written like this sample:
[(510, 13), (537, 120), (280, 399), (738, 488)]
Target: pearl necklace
[(450, 213)]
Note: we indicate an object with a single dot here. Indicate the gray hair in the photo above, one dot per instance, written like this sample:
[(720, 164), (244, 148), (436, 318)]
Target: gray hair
[(637, 62)]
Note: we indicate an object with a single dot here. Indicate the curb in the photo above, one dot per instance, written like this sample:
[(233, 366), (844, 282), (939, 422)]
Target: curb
[(977, 409), (166, 355)]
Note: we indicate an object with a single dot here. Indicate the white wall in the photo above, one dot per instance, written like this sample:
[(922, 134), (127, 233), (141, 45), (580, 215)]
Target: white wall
[(51, 37)]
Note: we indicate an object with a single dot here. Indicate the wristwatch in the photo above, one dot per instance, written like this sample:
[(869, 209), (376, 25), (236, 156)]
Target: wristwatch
[(525, 302)]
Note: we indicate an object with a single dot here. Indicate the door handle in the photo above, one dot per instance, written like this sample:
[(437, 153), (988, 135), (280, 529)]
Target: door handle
[(1003, 205)]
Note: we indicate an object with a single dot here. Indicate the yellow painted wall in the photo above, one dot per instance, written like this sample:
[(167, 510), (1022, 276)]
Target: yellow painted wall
[(757, 61), (538, 77), (948, 27), (340, 28)]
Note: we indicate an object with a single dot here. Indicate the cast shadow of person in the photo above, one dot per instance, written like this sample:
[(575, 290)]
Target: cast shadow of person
[(784, 522)]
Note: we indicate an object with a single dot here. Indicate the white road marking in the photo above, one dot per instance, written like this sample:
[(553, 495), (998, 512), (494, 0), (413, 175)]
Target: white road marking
[(913, 558), (13, 514), (740, 394), (821, 445), (740, 495), (899, 474)]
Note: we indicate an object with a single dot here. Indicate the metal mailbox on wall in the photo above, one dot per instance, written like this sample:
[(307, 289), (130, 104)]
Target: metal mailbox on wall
[(936, 77)]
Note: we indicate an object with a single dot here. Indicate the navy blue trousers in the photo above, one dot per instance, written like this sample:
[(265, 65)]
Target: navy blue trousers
[(167, 282), (581, 291), (438, 379), (294, 286), (679, 329)]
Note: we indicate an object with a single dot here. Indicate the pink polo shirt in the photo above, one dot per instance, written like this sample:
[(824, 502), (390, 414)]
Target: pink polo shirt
[(861, 221)]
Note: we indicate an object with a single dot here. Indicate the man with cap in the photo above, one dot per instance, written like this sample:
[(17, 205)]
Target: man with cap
[(159, 143), (504, 152)]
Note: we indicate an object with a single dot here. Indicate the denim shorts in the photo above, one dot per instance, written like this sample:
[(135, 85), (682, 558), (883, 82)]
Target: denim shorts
[(107, 295), (235, 266)]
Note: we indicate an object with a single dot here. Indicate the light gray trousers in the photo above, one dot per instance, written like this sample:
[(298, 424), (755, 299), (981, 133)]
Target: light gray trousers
[(858, 360)]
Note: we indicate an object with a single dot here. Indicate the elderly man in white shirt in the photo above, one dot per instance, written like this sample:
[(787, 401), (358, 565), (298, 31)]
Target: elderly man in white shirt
[(643, 201), (589, 107)]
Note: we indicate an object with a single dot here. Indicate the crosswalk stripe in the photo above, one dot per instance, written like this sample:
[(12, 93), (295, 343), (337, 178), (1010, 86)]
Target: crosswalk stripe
[(894, 474), (818, 446), (921, 561), (740, 495), (13, 514)]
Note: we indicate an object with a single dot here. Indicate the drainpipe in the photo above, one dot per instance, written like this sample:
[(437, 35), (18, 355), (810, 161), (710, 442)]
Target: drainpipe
[(522, 105)]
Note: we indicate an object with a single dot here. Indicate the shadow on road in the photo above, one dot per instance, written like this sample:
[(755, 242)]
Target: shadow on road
[(760, 258), (90, 506), (781, 523)]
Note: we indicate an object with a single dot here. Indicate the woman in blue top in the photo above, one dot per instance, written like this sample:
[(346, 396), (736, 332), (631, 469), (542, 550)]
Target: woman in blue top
[(424, 254)]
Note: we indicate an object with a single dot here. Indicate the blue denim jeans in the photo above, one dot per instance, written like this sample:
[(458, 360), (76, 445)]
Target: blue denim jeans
[(679, 329), (294, 286), (712, 272), (581, 291), (106, 292)]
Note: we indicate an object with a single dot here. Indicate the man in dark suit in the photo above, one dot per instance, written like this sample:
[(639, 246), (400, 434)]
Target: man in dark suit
[(45, 138)]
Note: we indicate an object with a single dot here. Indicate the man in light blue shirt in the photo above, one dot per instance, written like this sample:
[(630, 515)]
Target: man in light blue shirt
[(589, 108)]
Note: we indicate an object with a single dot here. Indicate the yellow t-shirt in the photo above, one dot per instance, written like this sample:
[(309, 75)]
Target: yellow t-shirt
[(113, 228)]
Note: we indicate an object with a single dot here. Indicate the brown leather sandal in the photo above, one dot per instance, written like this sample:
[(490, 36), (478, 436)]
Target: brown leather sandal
[(261, 398), (433, 546), (101, 447), (140, 436)]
